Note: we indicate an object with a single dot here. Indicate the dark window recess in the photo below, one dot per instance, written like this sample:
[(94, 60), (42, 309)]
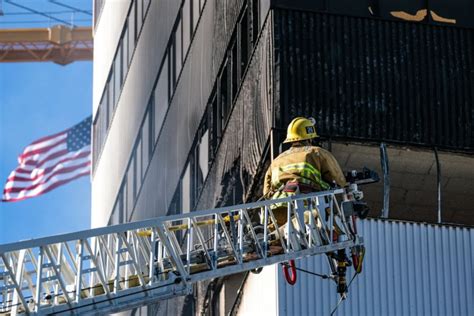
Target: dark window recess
[(255, 20), (116, 73), (105, 108), (244, 41), (117, 213), (95, 144), (172, 69), (195, 13), (175, 205), (145, 7), (235, 78), (175, 208), (197, 176), (131, 34), (139, 166), (139, 15), (130, 187), (215, 125), (133, 15), (178, 45), (125, 52), (146, 141), (187, 26), (224, 95)]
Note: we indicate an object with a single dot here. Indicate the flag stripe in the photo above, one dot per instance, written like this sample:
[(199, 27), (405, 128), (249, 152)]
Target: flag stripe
[(46, 185), (41, 150), (20, 197), (64, 161), (49, 162), (15, 187), (47, 143), (62, 150), (46, 138), (22, 184)]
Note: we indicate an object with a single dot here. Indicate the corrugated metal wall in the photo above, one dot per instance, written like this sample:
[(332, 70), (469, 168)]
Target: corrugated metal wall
[(380, 80), (410, 269)]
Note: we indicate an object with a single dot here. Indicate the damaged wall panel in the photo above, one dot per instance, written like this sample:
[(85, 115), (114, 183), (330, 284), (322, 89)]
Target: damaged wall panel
[(376, 80), (240, 153)]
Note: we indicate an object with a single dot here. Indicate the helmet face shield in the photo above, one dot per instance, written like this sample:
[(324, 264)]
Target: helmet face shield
[(300, 129)]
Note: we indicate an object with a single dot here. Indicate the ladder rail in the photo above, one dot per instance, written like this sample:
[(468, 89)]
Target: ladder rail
[(112, 268), (94, 232)]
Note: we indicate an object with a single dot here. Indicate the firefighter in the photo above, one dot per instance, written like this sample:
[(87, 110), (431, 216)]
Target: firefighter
[(303, 168)]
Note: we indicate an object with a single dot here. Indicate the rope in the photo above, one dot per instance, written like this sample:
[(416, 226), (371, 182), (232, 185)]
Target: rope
[(322, 276), (343, 297)]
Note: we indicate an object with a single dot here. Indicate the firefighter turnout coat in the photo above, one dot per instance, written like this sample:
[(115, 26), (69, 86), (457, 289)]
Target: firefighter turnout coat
[(309, 166)]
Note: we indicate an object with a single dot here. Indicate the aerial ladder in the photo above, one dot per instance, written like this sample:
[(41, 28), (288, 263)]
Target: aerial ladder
[(120, 267)]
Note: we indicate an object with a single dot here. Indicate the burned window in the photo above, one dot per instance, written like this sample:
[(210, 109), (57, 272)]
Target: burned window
[(224, 99), (214, 126), (235, 70), (255, 20), (186, 196), (244, 41), (178, 45), (171, 69)]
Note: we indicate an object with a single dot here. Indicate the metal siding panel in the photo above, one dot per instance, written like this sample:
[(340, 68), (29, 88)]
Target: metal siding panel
[(362, 78), (410, 269)]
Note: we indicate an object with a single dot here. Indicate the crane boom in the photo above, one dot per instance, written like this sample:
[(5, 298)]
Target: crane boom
[(60, 44), (119, 267)]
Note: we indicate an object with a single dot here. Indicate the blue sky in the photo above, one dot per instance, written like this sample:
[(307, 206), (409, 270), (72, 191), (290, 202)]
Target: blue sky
[(38, 99)]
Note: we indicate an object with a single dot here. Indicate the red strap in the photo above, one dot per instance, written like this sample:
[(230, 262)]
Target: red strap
[(290, 279)]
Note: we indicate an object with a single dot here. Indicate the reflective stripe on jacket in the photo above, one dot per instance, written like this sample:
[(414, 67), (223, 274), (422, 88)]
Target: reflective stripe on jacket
[(310, 165)]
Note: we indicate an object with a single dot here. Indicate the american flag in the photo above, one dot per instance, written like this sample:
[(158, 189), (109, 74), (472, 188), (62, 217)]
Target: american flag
[(50, 162)]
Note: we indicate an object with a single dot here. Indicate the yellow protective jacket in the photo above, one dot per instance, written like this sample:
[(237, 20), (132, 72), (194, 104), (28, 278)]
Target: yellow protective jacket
[(309, 165)]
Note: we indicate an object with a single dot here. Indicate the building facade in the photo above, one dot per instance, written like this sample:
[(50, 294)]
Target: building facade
[(191, 100)]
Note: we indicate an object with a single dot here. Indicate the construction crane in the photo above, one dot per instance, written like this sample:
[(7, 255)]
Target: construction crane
[(120, 267), (60, 44)]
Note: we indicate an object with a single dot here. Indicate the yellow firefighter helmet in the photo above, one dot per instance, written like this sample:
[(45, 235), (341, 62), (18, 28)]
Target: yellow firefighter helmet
[(301, 129)]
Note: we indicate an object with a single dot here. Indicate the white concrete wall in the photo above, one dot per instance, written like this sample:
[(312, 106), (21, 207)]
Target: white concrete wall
[(134, 96), (106, 37)]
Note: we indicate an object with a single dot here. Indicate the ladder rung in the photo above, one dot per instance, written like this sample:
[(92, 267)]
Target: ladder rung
[(124, 263), (89, 270), (50, 278), (7, 287)]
